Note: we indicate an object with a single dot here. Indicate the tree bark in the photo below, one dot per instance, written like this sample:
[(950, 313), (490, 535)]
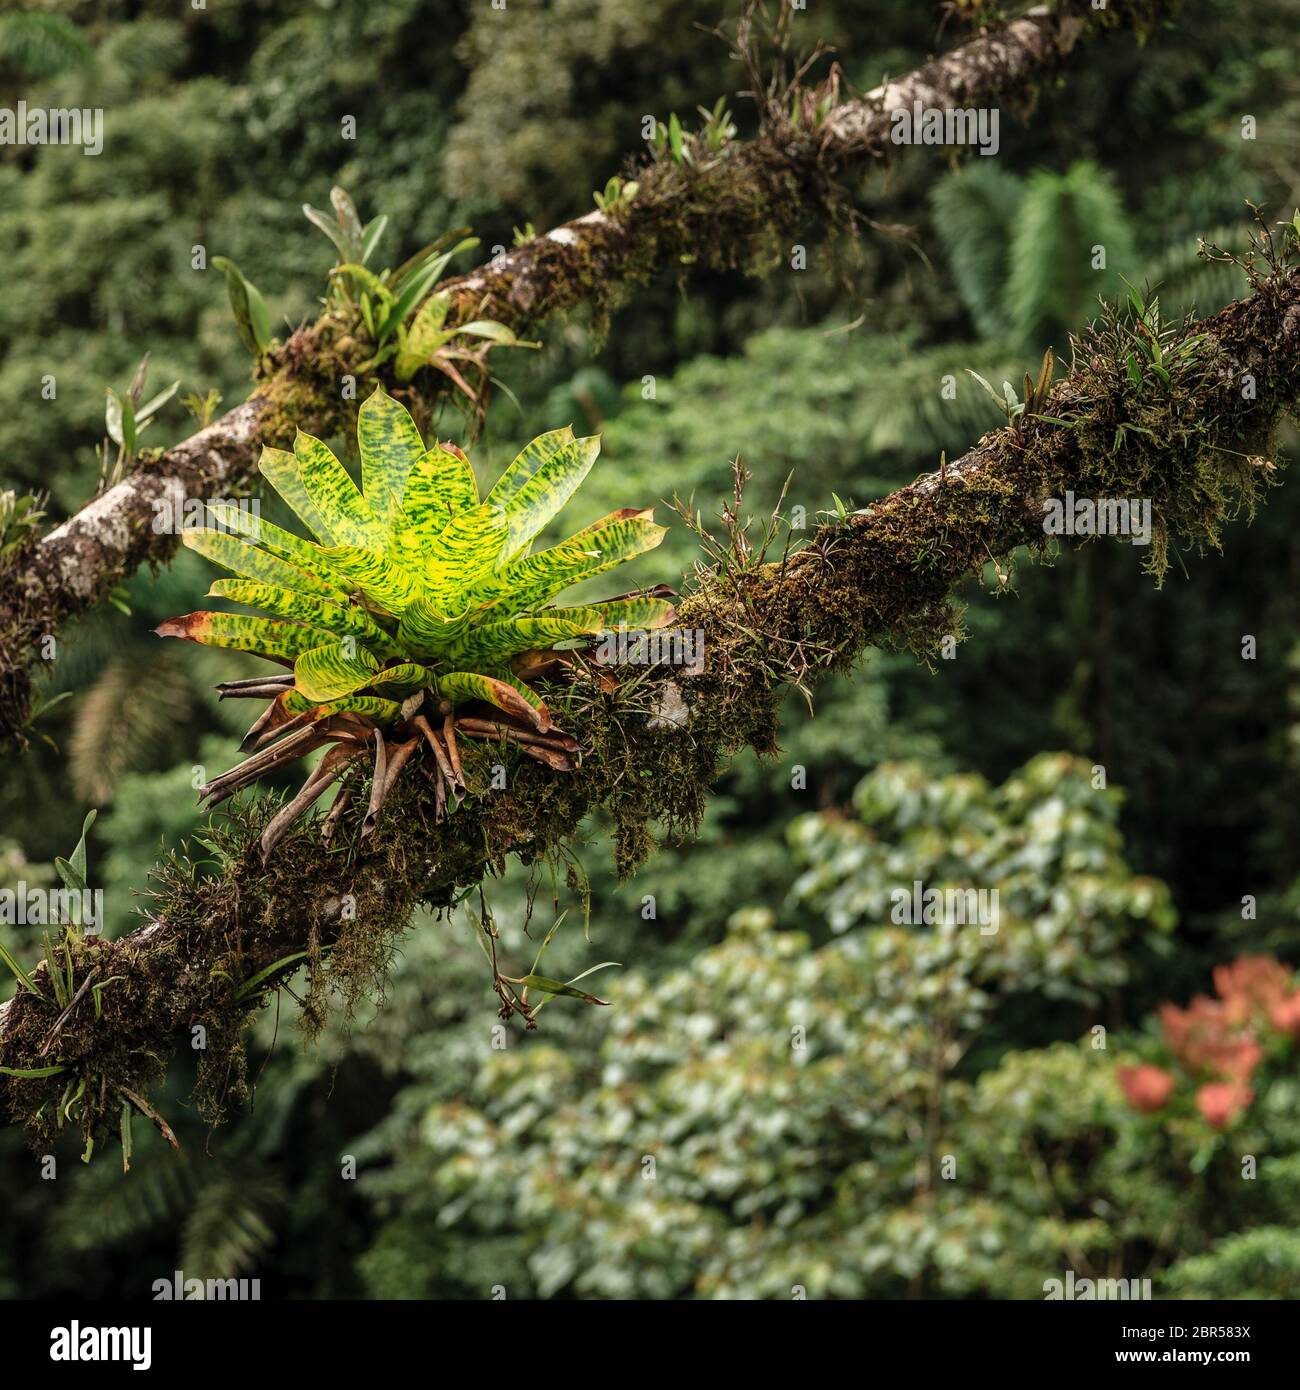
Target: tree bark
[(726, 212), (884, 574)]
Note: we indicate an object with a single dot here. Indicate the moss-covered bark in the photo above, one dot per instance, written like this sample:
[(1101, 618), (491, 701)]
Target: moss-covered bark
[(740, 209), (1195, 446)]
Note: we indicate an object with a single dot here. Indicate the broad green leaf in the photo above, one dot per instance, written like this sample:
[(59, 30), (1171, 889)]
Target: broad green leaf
[(529, 459), (281, 543), (401, 277), (32, 1073), (151, 407), (494, 332), (368, 706), (440, 485), (390, 447), (388, 585), (370, 238), (280, 468), (342, 619), (424, 337), (535, 579), (240, 557), (460, 687), (491, 644), (464, 552), (251, 314), (77, 860), (328, 673), (345, 211), (330, 227), (549, 986), (347, 514), (113, 415), (542, 496), (626, 613), (261, 636), (424, 631), (415, 285)]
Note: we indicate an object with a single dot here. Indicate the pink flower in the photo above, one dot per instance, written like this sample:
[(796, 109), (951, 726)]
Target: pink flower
[(1146, 1088), (1285, 1015), (1221, 1101)]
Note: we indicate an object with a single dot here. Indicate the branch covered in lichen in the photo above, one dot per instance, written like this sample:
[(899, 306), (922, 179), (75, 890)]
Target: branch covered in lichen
[(1195, 444), (738, 210)]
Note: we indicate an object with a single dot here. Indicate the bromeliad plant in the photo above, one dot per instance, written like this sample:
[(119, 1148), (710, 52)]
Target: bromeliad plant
[(418, 613)]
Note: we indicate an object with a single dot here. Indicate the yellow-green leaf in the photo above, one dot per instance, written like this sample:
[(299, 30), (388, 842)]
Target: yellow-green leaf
[(529, 459), (424, 631), (462, 686), (535, 579), (237, 631), (372, 707), (464, 552), (424, 337), (267, 536), (388, 585), (626, 612), (441, 484), (341, 619), (390, 447), (241, 557), (347, 514), (280, 468), (540, 497), (490, 644), (330, 671)]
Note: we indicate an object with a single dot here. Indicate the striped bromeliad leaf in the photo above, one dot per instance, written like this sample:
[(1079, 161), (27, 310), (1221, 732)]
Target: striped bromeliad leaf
[(505, 693), (529, 459), (533, 580), (329, 672), (252, 562), (410, 600), (335, 496), (390, 445), (542, 495), (624, 612), (441, 484), (314, 612), (280, 468), (491, 644), (267, 536), (261, 636), (371, 707)]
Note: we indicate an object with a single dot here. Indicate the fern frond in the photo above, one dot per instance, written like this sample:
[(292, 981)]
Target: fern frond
[(974, 212)]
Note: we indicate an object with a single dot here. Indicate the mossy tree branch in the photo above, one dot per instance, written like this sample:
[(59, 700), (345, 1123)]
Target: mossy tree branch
[(736, 210), (1195, 445)]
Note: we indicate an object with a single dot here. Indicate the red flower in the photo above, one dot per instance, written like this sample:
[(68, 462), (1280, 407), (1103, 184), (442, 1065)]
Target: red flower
[(1285, 1016), (1249, 985), (1221, 1101), (1146, 1088)]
